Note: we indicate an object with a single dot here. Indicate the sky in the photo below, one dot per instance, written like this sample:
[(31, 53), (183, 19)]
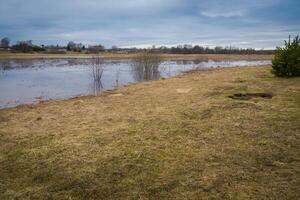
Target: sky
[(142, 23)]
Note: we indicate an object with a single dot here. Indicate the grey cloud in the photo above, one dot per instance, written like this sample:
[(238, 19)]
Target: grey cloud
[(147, 22)]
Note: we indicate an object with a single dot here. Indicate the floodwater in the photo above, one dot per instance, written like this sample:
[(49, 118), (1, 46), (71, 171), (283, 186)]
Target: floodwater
[(30, 81)]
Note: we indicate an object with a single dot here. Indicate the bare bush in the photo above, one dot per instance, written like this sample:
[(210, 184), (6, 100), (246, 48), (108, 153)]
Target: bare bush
[(146, 66), (97, 68)]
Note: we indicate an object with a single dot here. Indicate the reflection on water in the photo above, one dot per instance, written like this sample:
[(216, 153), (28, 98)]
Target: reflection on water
[(4, 65), (145, 72), (146, 68), (27, 81)]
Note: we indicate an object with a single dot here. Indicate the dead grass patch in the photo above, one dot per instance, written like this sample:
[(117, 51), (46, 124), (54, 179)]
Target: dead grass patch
[(155, 143)]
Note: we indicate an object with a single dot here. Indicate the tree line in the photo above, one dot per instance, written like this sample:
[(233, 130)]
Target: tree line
[(28, 46), (189, 49)]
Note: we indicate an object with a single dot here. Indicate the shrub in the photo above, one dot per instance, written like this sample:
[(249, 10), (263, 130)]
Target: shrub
[(286, 62), (145, 66)]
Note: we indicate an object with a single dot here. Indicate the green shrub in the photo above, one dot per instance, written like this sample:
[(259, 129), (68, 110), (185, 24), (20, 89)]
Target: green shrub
[(286, 62)]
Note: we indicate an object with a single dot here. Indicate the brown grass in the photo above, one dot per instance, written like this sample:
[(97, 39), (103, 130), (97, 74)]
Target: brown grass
[(5, 55), (179, 138)]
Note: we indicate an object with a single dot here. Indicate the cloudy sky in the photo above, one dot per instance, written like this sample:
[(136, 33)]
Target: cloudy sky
[(241, 23)]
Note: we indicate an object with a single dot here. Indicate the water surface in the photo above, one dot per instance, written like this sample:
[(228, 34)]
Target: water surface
[(29, 81)]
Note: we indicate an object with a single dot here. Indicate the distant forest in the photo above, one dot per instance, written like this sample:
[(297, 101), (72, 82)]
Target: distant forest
[(189, 49), (28, 46)]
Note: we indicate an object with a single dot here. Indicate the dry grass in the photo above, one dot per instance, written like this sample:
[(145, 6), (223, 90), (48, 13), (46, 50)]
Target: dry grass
[(5, 55), (179, 138)]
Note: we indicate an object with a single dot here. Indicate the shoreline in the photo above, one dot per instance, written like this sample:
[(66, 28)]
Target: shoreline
[(113, 91)]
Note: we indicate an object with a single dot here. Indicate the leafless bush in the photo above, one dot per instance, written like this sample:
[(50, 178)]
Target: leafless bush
[(146, 66), (97, 68)]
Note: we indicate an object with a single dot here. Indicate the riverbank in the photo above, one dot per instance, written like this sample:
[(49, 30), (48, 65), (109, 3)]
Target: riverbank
[(4, 56), (176, 138)]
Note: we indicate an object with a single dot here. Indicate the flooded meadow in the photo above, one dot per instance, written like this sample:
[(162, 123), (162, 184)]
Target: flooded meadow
[(35, 80)]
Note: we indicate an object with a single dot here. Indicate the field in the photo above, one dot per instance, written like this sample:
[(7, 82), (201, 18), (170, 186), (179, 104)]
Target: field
[(178, 138), (4, 55)]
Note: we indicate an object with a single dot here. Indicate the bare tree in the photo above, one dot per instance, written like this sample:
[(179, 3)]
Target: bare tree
[(5, 42), (71, 46), (23, 46), (114, 48), (96, 48)]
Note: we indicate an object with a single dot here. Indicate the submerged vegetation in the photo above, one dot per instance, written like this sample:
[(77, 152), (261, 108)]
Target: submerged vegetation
[(97, 69), (145, 66), (286, 61)]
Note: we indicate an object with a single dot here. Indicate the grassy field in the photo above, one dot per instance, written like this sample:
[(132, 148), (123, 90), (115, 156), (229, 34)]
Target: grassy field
[(179, 138), (4, 55)]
